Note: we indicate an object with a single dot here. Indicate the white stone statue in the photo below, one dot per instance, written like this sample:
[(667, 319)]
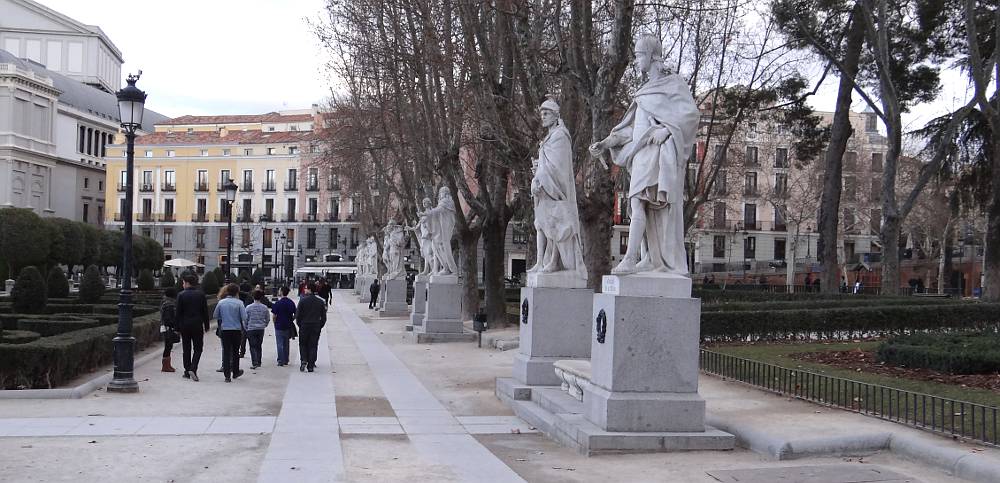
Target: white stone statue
[(360, 262), (423, 232), (553, 188), (392, 251), (442, 222), (653, 142), (371, 256)]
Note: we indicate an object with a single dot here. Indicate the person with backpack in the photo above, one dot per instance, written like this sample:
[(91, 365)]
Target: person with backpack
[(168, 326)]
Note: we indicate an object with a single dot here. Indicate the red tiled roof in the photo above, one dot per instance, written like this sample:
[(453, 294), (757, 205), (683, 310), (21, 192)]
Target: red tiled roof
[(237, 118), (233, 137)]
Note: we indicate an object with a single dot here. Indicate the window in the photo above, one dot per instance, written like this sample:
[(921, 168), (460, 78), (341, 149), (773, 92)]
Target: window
[(146, 232), (291, 237), (224, 175), (100, 185), (168, 207), (199, 240), (169, 180), (292, 179), (750, 184), (749, 216), (123, 180), (750, 248), (310, 238), (247, 180), (719, 246), (270, 128), (100, 215), (203, 177), (86, 212), (622, 243), (751, 159), (334, 209), (291, 209), (246, 237), (223, 209), (849, 221), (168, 237), (248, 151), (876, 221), (876, 194), (871, 123), (147, 208), (293, 127), (850, 188), (779, 248), (293, 149), (333, 238), (779, 218), (780, 184), (269, 180), (268, 234), (313, 208), (247, 209), (171, 153), (851, 161), (227, 152), (752, 130), (313, 182), (272, 151), (202, 208), (86, 183), (121, 209), (354, 238), (149, 153), (223, 237), (719, 215), (147, 180), (781, 158), (720, 187), (269, 209), (190, 130), (877, 162)]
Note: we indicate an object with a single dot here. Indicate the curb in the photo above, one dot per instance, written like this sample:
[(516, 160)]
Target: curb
[(956, 462), (75, 392)]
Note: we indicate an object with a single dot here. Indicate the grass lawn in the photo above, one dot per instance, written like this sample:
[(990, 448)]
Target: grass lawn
[(777, 354)]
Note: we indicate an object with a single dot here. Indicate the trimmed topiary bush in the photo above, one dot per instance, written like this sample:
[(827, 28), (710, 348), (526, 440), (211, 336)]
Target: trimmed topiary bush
[(19, 337), (57, 284), (968, 353), (55, 324), (91, 287), (167, 279), (145, 281), (29, 294), (210, 284)]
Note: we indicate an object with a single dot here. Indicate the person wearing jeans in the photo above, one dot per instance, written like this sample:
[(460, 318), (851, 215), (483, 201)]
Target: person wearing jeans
[(257, 318), (284, 314), (311, 314), (191, 314), (231, 315)]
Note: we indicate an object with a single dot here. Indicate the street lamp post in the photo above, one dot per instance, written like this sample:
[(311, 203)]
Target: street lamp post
[(230, 188), (131, 102), (274, 263), (281, 264)]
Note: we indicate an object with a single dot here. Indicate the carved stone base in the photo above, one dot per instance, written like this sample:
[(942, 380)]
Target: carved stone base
[(392, 300), (419, 302), (554, 324)]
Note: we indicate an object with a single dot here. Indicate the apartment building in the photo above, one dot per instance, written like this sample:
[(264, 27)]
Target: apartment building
[(180, 173)]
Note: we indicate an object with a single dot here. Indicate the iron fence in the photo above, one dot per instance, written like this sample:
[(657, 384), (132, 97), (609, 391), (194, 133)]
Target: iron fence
[(937, 414)]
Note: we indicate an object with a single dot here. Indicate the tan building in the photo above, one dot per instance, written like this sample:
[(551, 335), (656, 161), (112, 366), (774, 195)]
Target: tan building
[(181, 168)]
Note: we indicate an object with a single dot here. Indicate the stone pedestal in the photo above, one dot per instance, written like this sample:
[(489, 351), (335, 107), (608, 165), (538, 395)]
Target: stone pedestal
[(365, 287), (644, 356), (554, 325), (419, 302), (8, 285), (380, 303), (443, 313), (392, 299)]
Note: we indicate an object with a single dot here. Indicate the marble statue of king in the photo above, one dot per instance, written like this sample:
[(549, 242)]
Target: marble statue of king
[(653, 142)]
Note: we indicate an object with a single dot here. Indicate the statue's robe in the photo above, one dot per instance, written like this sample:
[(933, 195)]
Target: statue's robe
[(556, 214)]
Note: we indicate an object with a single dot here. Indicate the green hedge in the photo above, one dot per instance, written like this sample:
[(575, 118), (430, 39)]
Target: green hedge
[(19, 336), (825, 304), (68, 309), (969, 353), (840, 323), (103, 319), (732, 294), (51, 325)]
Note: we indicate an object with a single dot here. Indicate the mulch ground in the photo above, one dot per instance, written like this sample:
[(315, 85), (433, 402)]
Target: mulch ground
[(865, 361)]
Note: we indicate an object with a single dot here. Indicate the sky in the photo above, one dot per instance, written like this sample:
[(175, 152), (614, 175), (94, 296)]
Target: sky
[(214, 56), (254, 56)]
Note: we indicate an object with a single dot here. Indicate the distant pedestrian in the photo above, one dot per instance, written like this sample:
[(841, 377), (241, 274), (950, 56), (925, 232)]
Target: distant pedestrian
[(266, 301), (192, 320), (311, 316), (231, 317), (374, 290), (258, 317), (284, 327), (168, 320)]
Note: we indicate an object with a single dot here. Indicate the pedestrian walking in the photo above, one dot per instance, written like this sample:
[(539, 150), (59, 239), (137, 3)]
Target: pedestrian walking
[(192, 319), (168, 326), (311, 316), (247, 298), (284, 327), (258, 317), (374, 290), (231, 317)]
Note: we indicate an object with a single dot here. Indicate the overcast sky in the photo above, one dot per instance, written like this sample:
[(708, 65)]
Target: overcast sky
[(254, 56), (213, 56)]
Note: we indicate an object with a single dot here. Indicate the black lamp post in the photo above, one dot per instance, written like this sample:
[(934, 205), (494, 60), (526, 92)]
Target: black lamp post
[(281, 263), (230, 188), (131, 102), (274, 262)]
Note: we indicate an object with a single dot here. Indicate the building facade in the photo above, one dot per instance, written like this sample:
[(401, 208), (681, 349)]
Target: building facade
[(180, 171)]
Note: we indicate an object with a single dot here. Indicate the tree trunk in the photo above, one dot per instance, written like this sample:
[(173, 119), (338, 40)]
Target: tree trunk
[(889, 236), (826, 247), (790, 251), (596, 231), (468, 264), (494, 235), (991, 265)]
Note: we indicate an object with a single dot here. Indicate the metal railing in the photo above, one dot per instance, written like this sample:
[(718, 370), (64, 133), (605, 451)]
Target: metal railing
[(923, 411)]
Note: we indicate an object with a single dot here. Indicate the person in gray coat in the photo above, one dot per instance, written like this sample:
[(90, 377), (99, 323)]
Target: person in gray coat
[(258, 316)]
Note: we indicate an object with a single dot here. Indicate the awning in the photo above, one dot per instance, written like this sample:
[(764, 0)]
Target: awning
[(326, 270)]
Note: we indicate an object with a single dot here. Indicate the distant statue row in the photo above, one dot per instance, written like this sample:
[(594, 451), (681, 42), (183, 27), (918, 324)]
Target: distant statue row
[(435, 228)]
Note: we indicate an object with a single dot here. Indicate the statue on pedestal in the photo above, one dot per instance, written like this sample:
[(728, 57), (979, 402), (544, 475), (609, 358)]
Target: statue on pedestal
[(371, 256), (392, 251), (423, 230), (553, 188), (441, 219), (653, 142)]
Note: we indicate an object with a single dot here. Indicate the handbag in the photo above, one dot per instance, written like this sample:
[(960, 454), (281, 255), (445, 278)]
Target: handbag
[(293, 332), (171, 336)]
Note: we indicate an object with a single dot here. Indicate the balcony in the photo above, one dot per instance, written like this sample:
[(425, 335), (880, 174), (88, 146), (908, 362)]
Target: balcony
[(166, 217), (244, 218), (311, 217), (202, 217), (333, 186), (267, 187), (146, 188), (201, 186), (288, 218), (168, 187), (119, 217), (313, 186), (750, 191), (144, 217), (221, 218), (121, 187), (220, 186), (291, 186), (780, 193), (199, 244), (332, 217), (246, 187), (352, 217), (266, 218)]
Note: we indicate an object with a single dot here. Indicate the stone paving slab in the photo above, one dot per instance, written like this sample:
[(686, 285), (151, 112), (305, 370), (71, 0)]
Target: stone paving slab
[(371, 429), (135, 426), (812, 474)]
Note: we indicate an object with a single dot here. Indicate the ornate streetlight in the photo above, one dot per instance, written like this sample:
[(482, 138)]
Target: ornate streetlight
[(281, 264), (230, 188), (131, 103)]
